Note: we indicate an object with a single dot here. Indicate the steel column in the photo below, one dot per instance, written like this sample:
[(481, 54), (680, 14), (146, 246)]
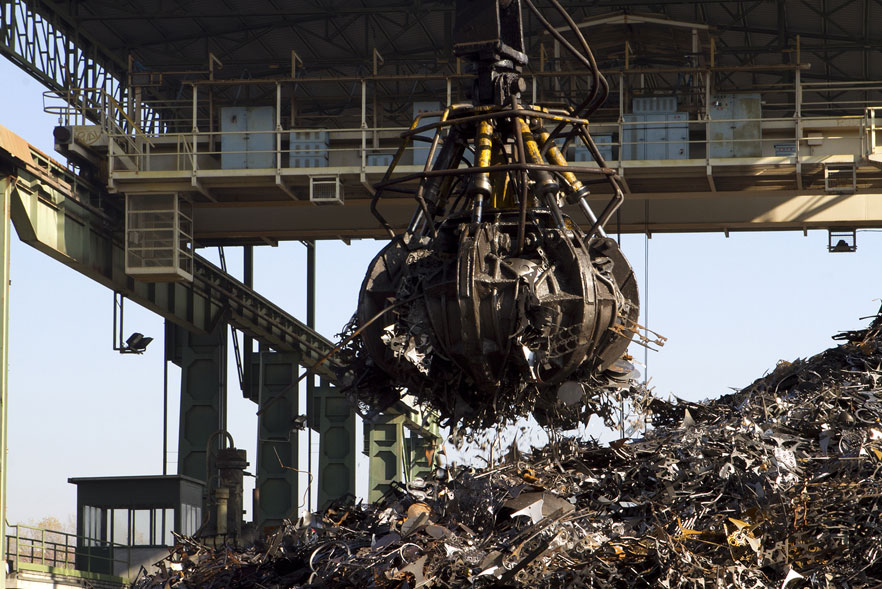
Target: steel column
[(247, 341), (276, 491), (310, 381), (336, 427), (421, 453), (203, 361), (6, 185), (384, 445)]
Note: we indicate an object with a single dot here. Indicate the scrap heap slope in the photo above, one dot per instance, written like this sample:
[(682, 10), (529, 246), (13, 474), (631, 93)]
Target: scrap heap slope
[(777, 485)]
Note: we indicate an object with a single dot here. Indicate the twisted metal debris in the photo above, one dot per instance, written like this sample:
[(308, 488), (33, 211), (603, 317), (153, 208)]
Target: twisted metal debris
[(494, 303), (777, 485)]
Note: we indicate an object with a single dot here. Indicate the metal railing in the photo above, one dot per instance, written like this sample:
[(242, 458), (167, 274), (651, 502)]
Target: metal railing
[(622, 141), (81, 106), (186, 137), (28, 545), (872, 127)]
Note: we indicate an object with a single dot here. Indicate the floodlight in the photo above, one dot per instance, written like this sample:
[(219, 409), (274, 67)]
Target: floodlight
[(137, 343)]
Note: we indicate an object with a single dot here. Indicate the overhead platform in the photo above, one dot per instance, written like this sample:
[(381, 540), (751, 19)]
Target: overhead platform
[(239, 107), (828, 179)]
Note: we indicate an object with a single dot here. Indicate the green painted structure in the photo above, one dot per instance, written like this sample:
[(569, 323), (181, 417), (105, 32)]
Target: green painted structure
[(276, 490), (402, 445), (384, 444), (65, 217), (7, 186), (203, 362), (61, 215), (334, 419)]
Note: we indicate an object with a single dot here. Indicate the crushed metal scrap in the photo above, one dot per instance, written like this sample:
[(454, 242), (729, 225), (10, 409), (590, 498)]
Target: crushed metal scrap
[(777, 485)]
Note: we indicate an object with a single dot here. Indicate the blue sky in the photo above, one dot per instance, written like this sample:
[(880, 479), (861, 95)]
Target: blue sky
[(730, 308)]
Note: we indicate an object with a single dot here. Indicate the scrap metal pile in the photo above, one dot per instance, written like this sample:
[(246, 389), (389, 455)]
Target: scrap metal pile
[(778, 485)]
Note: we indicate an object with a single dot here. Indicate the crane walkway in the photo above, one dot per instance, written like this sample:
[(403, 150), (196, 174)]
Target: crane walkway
[(68, 218)]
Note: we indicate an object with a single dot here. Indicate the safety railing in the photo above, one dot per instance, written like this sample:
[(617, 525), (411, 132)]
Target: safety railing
[(266, 149), (186, 134), (81, 106), (28, 545), (620, 142), (873, 141)]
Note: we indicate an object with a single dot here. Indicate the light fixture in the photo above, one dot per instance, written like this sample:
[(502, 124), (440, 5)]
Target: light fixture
[(136, 344), (299, 423), (841, 241), (841, 246)]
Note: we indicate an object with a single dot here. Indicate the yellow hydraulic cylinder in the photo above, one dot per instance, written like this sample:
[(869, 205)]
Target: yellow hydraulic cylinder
[(490, 184), (481, 187), (574, 187), (576, 191), (545, 181)]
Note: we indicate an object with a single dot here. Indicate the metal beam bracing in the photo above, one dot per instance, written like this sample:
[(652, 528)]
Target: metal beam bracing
[(61, 215), (56, 53), (70, 45)]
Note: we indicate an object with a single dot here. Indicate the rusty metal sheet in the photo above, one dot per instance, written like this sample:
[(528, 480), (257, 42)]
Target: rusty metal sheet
[(15, 146)]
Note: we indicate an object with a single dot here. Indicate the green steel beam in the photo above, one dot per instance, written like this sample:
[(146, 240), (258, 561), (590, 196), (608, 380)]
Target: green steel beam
[(6, 187), (394, 458), (64, 217), (277, 439), (336, 426), (384, 445), (203, 361), (421, 453)]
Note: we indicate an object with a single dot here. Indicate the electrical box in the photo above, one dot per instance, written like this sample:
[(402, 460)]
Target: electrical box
[(309, 149), (379, 159), (421, 148), (248, 138), (654, 130), (735, 127), (604, 145), (659, 136), (159, 237)]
